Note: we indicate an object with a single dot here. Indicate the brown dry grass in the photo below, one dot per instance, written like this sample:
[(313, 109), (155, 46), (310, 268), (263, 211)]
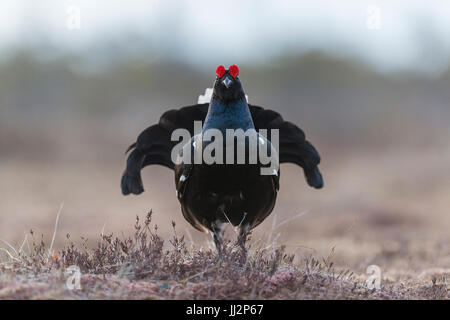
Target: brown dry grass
[(138, 267)]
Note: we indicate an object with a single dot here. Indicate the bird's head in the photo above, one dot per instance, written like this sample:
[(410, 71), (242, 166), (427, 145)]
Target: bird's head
[(228, 86)]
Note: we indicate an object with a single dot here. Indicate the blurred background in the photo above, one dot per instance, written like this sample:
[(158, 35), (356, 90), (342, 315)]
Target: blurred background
[(368, 81)]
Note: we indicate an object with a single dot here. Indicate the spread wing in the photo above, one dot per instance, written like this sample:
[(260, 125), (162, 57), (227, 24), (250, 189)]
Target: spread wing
[(293, 146), (154, 145)]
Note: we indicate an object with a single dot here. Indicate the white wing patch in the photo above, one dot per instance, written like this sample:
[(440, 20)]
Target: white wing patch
[(183, 178)]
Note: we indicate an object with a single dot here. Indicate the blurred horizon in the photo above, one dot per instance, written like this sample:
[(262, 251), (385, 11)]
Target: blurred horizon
[(323, 93), (387, 36)]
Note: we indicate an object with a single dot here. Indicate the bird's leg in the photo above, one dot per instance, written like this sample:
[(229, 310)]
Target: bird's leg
[(242, 237), (216, 233)]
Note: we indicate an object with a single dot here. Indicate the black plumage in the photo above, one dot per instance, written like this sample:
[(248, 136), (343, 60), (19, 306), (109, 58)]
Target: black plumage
[(218, 193)]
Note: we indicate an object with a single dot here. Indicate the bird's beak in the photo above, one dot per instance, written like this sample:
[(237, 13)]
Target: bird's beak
[(227, 82)]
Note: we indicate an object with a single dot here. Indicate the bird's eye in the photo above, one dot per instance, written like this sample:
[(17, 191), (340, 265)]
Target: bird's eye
[(220, 71), (233, 70)]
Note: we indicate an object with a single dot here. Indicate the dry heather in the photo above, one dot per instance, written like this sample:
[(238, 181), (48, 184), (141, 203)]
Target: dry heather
[(139, 267)]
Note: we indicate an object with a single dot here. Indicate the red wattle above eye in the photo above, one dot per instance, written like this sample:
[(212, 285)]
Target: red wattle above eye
[(220, 71), (233, 70)]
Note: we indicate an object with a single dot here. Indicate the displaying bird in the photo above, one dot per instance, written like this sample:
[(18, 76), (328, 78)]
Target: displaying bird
[(233, 192)]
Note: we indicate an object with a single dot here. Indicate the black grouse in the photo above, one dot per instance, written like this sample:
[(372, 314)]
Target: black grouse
[(224, 189)]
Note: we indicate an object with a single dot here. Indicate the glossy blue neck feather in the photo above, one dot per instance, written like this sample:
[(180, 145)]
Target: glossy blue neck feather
[(235, 115)]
